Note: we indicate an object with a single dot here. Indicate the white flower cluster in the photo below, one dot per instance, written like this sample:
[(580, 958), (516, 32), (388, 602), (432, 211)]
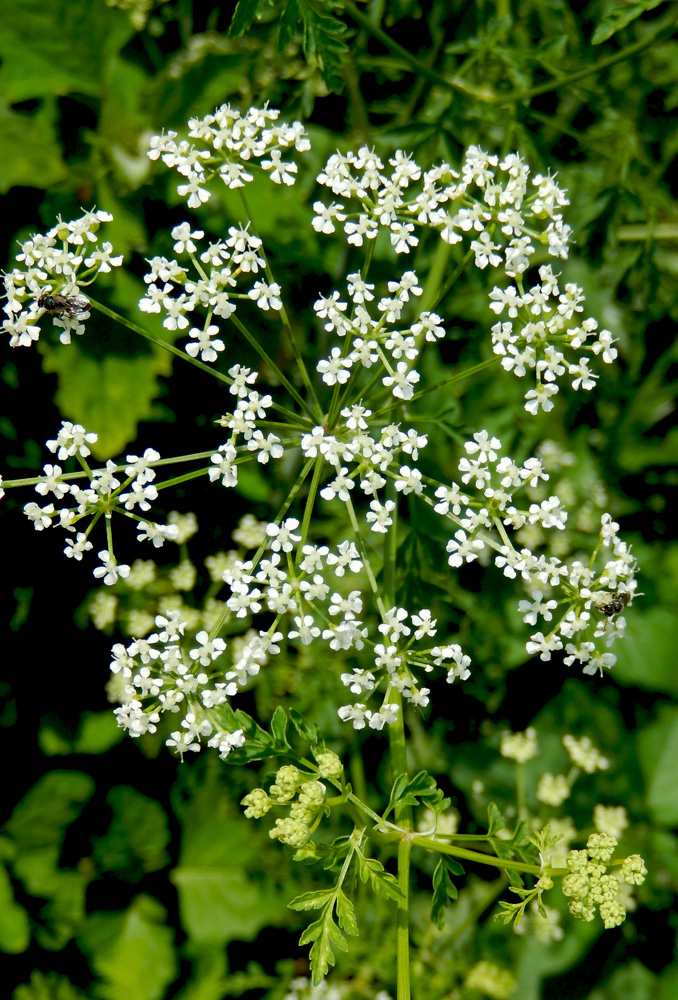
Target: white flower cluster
[(495, 206), (589, 611), (231, 146), (370, 340), (57, 266), (299, 584), (241, 423), (103, 494), (157, 670), (176, 292)]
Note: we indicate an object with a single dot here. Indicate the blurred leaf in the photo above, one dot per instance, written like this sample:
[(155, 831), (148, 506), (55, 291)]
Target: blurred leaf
[(137, 838), (646, 656), (98, 733), (30, 147), (54, 802), (51, 987), (618, 14), (15, 930), (219, 900), (110, 395), (63, 915), (657, 747), (59, 47), (632, 981), (132, 952)]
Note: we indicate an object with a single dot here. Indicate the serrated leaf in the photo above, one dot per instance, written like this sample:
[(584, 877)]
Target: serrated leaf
[(311, 900), (381, 881), (346, 914), (243, 16), (444, 889), (409, 792), (495, 820)]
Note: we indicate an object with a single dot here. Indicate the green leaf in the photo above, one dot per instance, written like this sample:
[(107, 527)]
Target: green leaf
[(219, 900), (346, 914), (495, 820), (657, 752), (98, 733), (444, 889), (109, 395), (381, 881), (619, 13), (133, 952), (137, 838), (59, 48), (307, 730), (408, 793), (15, 930), (243, 16), (279, 728), (311, 900), (62, 917), (54, 802), (30, 147)]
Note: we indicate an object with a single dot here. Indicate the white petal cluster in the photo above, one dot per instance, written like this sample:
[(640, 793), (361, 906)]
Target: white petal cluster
[(61, 263), (125, 488), (232, 147)]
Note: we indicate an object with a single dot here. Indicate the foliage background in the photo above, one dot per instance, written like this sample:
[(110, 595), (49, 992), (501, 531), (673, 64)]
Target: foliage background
[(129, 876)]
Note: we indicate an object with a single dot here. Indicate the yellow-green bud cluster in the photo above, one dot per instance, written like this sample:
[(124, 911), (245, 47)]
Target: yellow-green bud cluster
[(590, 885), (289, 784), (257, 803), (287, 781), (329, 765)]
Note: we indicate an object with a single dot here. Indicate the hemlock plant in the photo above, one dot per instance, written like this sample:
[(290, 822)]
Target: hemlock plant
[(350, 422)]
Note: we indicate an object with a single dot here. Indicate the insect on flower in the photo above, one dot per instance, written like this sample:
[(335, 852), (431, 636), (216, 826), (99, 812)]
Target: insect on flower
[(64, 305), (616, 604)]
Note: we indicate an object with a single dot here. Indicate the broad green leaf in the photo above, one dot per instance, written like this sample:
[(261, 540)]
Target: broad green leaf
[(62, 916), (98, 733), (30, 147), (15, 930), (136, 840), (218, 898), (59, 47), (110, 395), (54, 802), (646, 657), (657, 752), (132, 952)]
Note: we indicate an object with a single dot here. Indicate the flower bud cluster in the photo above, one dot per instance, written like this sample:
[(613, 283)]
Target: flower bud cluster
[(230, 146), (304, 795), (57, 266), (591, 884)]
